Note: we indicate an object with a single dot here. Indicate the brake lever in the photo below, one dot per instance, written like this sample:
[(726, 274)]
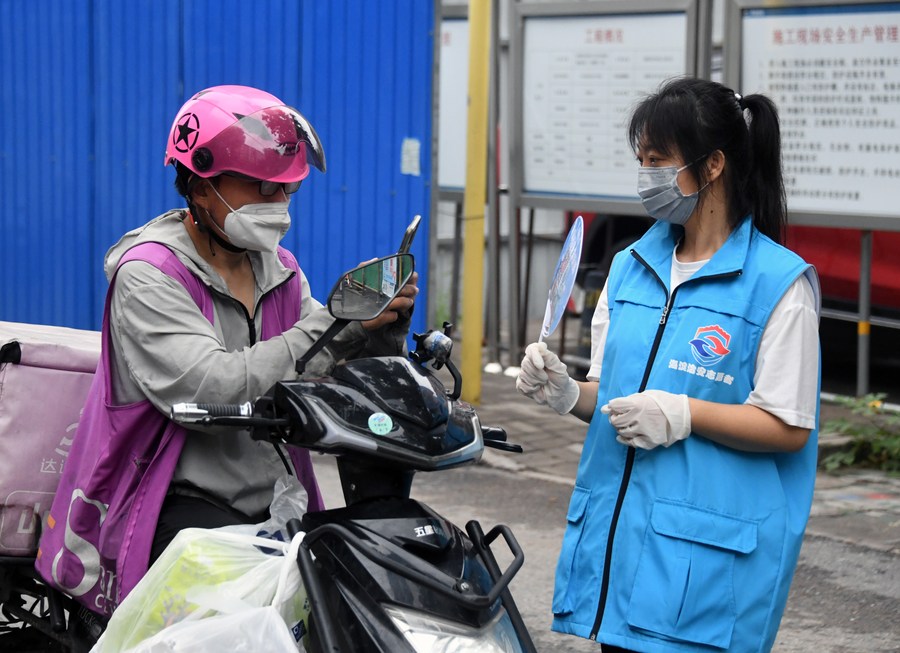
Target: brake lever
[(246, 422), (495, 437), (504, 446)]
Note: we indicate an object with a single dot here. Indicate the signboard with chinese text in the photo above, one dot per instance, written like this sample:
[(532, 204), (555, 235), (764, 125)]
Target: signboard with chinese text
[(581, 68), (453, 103), (833, 70), (582, 77)]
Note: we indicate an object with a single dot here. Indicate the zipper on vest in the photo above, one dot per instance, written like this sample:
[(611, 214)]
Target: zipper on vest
[(251, 324), (251, 328), (259, 302), (607, 561), (629, 456), (663, 320), (288, 467)]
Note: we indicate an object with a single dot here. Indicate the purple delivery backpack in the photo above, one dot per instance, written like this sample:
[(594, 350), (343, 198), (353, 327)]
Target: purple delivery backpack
[(45, 375), (96, 541)]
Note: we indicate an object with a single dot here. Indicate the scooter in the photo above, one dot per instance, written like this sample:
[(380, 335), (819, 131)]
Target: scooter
[(386, 572)]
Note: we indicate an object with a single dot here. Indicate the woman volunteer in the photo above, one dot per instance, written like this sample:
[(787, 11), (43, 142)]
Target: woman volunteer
[(697, 473)]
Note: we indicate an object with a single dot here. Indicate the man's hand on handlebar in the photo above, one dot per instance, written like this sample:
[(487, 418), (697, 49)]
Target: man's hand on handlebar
[(400, 308)]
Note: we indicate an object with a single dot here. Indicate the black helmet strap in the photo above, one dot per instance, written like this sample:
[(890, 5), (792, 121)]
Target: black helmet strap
[(224, 244)]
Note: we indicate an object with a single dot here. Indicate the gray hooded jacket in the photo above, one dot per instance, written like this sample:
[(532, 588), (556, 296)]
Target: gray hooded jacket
[(167, 352)]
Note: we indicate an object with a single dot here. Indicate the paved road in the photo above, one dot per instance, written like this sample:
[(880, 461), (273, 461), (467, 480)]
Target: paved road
[(845, 597)]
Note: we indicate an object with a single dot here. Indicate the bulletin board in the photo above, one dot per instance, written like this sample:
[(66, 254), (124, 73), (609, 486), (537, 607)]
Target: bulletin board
[(453, 93), (578, 71), (833, 70)]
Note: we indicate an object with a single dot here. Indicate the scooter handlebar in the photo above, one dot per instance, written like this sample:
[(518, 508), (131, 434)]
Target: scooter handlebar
[(187, 412), (231, 415)]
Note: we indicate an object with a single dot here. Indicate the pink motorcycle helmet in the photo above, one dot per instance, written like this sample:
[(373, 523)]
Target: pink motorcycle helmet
[(246, 132)]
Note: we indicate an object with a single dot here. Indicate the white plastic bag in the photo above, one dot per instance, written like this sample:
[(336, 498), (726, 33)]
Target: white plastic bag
[(208, 572), (288, 502), (248, 631)]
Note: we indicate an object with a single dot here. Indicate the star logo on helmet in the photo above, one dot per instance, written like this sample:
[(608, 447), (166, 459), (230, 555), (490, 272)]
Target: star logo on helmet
[(186, 132)]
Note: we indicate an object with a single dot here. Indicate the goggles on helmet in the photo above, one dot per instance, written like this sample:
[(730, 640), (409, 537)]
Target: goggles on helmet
[(274, 144)]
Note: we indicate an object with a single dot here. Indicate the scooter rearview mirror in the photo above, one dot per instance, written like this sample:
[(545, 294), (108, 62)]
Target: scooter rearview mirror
[(362, 294), (366, 291)]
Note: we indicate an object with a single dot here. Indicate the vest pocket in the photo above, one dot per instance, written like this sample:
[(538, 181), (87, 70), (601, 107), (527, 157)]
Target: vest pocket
[(564, 594), (684, 586)]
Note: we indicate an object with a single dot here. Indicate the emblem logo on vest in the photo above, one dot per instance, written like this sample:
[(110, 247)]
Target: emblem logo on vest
[(710, 344)]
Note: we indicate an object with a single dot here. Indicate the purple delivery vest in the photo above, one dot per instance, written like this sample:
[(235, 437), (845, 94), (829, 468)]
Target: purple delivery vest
[(96, 542)]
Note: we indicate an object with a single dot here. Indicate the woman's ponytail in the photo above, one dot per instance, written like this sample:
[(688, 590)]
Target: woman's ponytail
[(765, 181)]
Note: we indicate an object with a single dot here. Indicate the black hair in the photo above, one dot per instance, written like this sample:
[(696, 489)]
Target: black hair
[(695, 117), (185, 182)]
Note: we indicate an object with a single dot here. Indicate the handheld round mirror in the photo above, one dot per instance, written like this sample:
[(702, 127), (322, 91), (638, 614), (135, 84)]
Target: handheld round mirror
[(563, 279)]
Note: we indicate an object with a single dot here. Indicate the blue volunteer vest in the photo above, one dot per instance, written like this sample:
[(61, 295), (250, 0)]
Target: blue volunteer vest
[(694, 544)]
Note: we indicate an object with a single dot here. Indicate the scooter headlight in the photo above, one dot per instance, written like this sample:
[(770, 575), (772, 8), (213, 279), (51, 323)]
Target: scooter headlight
[(428, 634)]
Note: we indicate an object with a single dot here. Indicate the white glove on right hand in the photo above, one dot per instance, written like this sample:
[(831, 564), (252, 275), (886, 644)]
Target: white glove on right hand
[(544, 378), (650, 418)]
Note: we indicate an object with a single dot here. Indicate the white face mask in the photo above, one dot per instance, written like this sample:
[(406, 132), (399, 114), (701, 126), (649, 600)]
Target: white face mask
[(662, 197), (257, 227)]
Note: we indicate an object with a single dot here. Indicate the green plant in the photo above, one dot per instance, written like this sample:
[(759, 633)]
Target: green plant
[(874, 435)]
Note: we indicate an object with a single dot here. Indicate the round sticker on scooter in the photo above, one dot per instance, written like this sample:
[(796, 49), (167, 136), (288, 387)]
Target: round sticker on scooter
[(380, 423)]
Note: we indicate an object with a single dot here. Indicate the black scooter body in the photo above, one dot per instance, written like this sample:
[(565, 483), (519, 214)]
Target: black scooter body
[(425, 431), (411, 534), (385, 550)]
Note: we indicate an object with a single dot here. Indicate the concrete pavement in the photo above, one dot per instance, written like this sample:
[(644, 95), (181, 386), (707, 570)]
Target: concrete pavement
[(859, 507)]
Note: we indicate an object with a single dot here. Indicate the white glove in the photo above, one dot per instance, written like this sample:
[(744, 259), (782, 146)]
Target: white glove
[(543, 377), (650, 418)]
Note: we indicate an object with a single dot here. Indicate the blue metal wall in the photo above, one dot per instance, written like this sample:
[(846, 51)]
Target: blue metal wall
[(89, 88)]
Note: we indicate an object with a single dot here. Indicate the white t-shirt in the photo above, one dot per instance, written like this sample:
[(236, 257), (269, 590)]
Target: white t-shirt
[(787, 363)]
